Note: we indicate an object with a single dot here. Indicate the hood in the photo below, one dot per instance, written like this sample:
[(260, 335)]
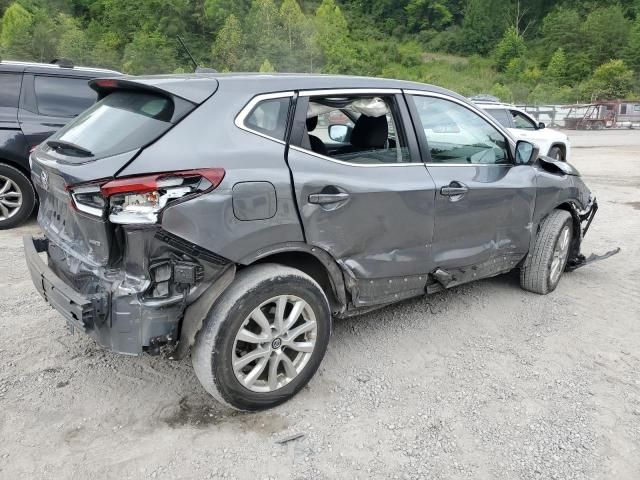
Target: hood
[(557, 166)]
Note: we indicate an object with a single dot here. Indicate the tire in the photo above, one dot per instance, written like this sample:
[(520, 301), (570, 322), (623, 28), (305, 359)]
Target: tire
[(547, 260), (219, 343), (556, 152), (16, 188)]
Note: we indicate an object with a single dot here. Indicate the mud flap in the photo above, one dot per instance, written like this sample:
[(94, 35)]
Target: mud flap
[(581, 260)]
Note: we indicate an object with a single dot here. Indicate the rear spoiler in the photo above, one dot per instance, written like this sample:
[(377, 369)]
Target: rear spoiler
[(192, 88)]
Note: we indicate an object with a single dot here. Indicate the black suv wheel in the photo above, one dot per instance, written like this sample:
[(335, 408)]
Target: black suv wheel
[(17, 197)]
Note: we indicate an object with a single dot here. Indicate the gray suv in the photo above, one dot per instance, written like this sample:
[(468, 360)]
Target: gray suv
[(232, 216)]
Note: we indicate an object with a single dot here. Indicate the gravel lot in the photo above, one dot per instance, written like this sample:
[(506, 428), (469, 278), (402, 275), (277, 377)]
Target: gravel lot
[(483, 381)]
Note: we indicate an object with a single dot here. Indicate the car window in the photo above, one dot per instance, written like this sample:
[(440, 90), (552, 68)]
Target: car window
[(270, 117), (63, 96), (502, 115), (120, 122), (10, 89), (356, 129), (457, 135), (522, 121)]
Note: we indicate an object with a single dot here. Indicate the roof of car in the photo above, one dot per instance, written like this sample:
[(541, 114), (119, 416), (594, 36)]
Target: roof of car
[(256, 83), (54, 68)]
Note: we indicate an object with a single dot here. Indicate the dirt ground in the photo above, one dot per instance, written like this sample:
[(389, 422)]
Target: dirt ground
[(484, 381)]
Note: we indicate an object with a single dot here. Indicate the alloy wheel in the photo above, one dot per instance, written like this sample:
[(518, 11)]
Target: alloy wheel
[(10, 198), (560, 254), (274, 343)]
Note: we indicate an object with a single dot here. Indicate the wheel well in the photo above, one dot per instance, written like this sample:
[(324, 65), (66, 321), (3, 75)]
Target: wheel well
[(576, 240), (17, 166), (562, 147), (310, 265)]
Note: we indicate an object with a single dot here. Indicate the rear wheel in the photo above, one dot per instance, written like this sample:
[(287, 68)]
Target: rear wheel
[(547, 260), (264, 338), (17, 197)]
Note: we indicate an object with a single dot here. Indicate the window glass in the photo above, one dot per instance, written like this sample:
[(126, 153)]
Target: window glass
[(10, 89), (270, 117), (623, 109), (502, 115), (120, 122), (457, 135), (522, 121), (363, 130), (63, 96)]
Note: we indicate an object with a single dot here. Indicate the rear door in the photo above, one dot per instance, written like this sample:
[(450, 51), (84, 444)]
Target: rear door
[(484, 202), (49, 102), (370, 206)]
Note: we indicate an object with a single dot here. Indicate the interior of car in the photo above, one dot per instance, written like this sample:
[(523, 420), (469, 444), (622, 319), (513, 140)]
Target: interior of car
[(355, 129)]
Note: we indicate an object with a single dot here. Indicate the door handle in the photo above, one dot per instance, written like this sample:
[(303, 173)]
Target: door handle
[(454, 189), (324, 198)]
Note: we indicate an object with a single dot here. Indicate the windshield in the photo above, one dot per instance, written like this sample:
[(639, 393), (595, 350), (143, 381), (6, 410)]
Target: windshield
[(121, 122)]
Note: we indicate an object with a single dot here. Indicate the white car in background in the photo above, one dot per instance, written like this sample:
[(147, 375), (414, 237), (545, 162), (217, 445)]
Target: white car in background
[(552, 143)]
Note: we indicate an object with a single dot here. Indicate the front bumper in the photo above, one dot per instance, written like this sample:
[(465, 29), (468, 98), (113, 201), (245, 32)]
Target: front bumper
[(118, 320)]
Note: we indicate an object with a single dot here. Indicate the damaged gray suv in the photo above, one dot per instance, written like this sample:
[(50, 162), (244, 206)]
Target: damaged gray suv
[(232, 216)]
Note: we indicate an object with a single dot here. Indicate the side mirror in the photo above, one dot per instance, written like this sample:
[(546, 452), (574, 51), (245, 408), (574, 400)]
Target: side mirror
[(541, 125), (340, 133), (526, 153)]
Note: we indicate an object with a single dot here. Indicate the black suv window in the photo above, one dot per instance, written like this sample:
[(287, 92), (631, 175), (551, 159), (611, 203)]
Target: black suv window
[(522, 121), (270, 117), (63, 96), (10, 89)]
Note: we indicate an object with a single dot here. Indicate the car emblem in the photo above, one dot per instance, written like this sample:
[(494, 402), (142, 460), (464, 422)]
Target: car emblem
[(44, 178)]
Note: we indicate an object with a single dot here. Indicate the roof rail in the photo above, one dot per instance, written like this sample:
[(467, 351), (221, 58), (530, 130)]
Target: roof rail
[(485, 98), (62, 62)]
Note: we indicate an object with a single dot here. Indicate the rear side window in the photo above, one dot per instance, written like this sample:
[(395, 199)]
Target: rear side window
[(121, 122), (269, 117), (501, 115), (63, 96), (10, 89)]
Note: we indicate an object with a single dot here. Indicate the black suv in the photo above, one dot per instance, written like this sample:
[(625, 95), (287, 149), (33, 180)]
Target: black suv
[(36, 99)]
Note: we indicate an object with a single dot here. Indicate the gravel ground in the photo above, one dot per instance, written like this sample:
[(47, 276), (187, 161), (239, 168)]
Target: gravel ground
[(483, 381)]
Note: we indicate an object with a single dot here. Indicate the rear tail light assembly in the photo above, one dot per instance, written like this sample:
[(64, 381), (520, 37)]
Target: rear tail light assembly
[(140, 199)]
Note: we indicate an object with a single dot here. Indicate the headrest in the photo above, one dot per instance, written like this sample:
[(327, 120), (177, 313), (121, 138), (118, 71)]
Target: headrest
[(370, 132), (312, 123)]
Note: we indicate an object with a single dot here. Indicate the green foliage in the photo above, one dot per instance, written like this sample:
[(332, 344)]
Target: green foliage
[(266, 67), (227, 50), (535, 50), (510, 48), (17, 28), (148, 53), (502, 92), (611, 80), (557, 69)]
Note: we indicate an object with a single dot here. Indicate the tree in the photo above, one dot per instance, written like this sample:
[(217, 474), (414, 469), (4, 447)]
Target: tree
[(557, 68), (73, 43), (562, 28), (632, 51), (266, 67), (17, 29), (227, 48), (484, 24), (264, 33), (425, 14), (606, 31), (611, 80), (333, 37), (293, 20), (511, 47), (148, 53), (216, 12)]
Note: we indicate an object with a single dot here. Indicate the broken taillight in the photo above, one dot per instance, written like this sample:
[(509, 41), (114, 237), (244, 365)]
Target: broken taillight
[(139, 199)]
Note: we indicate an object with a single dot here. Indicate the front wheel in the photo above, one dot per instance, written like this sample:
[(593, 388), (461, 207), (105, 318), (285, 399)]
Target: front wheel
[(547, 260), (264, 338)]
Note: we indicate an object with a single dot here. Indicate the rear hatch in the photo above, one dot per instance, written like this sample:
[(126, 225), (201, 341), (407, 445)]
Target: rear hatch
[(69, 167)]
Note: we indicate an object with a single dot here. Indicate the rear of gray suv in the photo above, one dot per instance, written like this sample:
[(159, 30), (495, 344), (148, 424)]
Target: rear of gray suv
[(226, 216)]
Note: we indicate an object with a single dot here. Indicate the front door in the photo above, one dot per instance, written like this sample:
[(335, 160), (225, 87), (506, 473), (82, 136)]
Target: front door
[(484, 202), (363, 193)]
